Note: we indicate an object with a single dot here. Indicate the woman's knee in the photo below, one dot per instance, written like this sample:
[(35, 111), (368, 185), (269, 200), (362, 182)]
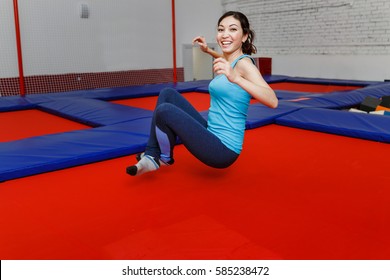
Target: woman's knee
[(164, 108), (167, 93), (164, 112)]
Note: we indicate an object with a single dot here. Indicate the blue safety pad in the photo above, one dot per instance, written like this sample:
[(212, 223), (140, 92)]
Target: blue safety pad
[(57, 151), (142, 91), (14, 103), (93, 112), (341, 99), (307, 101), (204, 89), (260, 115), (347, 99), (324, 81), (38, 98), (338, 99), (365, 126), (376, 90), (191, 86), (118, 92), (102, 94), (275, 78), (287, 94)]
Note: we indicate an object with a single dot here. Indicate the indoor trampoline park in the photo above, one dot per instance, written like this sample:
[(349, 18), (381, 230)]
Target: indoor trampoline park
[(79, 82)]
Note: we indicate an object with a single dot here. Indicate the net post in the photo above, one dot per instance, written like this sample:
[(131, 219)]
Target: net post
[(174, 41), (19, 49)]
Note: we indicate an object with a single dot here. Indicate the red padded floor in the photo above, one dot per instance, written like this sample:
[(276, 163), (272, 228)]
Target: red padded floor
[(29, 123), (201, 101), (293, 194)]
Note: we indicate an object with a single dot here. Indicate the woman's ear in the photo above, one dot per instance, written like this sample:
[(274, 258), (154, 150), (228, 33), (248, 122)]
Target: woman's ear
[(244, 38)]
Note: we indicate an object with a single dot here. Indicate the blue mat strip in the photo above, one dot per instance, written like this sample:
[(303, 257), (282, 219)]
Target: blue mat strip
[(94, 112), (358, 125), (14, 103), (57, 151)]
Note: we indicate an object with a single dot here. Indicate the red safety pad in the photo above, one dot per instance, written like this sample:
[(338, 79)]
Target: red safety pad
[(29, 123), (292, 194), (201, 101)]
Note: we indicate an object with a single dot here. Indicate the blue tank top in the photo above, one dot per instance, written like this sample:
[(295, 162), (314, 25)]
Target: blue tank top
[(228, 110)]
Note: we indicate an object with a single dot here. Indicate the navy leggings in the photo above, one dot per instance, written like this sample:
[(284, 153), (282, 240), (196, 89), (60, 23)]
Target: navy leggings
[(175, 118)]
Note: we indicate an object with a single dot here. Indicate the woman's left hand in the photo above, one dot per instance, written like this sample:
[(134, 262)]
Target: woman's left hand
[(222, 66)]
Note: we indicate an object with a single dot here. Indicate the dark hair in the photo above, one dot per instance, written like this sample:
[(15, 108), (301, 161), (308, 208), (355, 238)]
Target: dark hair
[(247, 46)]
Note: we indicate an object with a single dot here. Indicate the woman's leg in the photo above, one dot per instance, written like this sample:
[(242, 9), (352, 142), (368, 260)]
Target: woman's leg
[(175, 117), (151, 158), (171, 96), (172, 121)]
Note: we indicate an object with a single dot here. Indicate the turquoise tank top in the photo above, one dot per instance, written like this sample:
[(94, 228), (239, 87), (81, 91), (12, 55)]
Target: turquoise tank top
[(228, 110)]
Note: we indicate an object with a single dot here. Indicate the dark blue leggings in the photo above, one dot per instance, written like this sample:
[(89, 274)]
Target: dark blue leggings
[(175, 118)]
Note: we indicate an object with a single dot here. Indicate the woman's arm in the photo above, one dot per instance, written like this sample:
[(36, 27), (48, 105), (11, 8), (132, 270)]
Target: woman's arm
[(247, 76), (203, 46)]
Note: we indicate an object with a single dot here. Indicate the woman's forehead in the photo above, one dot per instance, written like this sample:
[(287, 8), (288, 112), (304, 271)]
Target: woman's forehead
[(230, 20)]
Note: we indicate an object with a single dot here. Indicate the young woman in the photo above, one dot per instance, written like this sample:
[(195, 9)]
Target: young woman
[(217, 141)]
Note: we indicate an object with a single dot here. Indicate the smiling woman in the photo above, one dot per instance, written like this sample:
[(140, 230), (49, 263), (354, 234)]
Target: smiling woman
[(217, 141)]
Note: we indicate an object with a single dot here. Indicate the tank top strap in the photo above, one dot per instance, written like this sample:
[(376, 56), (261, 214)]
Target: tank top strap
[(241, 57)]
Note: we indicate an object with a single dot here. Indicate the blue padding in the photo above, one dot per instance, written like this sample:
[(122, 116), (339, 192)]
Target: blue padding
[(191, 86), (128, 92), (347, 99), (204, 89), (376, 90), (323, 81), (57, 151), (260, 115), (118, 92), (14, 103), (287, 94), (275, 78), (371, 127), (342, 99), (46, 97), (102, 93), (306, 101), (94, 112)]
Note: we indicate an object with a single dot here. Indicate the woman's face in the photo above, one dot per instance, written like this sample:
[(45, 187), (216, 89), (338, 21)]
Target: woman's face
[(230, 35)]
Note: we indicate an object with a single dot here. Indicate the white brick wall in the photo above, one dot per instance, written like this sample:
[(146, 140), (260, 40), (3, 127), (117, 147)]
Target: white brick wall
[(318, 27)]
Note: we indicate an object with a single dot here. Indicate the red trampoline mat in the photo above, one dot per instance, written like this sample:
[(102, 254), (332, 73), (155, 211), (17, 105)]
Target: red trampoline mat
[(282, 199), (22, 124), (201, 101)]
